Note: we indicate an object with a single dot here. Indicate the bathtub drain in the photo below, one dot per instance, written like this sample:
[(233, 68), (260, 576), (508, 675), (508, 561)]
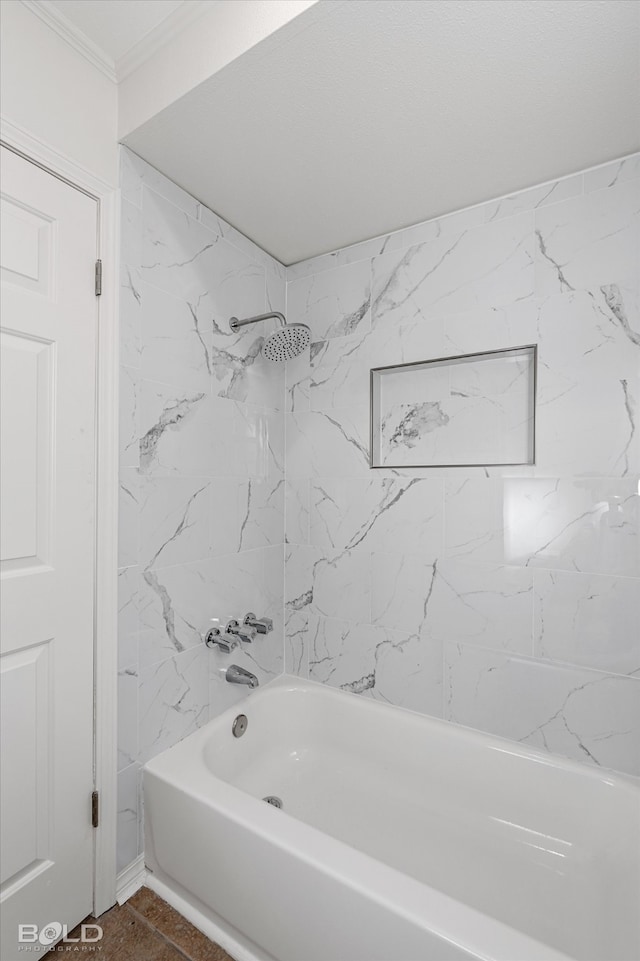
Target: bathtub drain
[(274, 801)]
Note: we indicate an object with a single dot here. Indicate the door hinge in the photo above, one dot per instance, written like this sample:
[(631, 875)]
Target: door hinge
[(98, 278), (94, 809)]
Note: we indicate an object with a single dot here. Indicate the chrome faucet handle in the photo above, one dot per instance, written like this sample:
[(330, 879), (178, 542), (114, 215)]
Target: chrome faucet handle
[(224, 642), (245, 632), (263, 625)]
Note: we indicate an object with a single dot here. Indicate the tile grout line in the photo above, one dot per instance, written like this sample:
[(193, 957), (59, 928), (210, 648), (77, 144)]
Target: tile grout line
[(161, 936)]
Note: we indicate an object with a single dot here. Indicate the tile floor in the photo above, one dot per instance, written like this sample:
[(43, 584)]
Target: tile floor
[(146, 928)]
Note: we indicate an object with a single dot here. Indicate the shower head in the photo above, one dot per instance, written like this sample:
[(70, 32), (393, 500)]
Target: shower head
[(285, 343)]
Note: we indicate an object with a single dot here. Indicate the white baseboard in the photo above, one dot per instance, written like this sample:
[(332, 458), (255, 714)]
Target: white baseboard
[(130, 880), (205, 920)]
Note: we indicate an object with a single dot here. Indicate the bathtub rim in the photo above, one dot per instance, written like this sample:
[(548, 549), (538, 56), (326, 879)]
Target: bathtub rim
[(479, 934)]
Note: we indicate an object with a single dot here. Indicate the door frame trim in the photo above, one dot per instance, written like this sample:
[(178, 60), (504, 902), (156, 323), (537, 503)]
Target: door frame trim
[(106, 534)]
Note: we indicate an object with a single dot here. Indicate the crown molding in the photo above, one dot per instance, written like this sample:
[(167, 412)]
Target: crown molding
[(67, 31), (145, 48), (159, 36)]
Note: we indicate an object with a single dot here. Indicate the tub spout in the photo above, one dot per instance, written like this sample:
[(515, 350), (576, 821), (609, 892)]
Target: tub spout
[(238, 675)]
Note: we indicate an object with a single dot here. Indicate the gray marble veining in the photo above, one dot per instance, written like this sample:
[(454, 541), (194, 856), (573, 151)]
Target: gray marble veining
[(202, 470), (501, 598), (525, 578)]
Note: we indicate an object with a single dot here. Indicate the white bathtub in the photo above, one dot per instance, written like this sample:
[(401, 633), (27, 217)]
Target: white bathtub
[(401, 838)]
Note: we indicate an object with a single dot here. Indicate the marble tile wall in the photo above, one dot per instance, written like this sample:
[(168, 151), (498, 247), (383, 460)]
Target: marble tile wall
[(504, 599), (202, 470)]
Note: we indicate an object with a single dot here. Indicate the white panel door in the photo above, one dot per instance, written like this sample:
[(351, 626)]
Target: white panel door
[(47, 523)]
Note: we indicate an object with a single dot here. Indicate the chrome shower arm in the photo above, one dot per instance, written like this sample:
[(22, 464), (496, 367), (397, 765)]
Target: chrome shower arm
[(234, 323), (283, 343)]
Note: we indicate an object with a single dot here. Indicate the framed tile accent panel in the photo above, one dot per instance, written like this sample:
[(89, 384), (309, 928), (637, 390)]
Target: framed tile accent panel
[(472, 410)]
